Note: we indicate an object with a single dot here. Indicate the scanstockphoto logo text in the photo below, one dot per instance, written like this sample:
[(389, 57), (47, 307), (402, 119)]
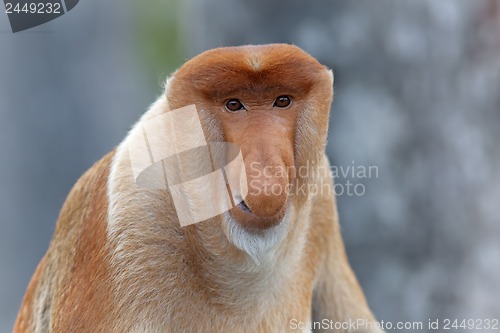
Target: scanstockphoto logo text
[(349, 180), (25, 15)]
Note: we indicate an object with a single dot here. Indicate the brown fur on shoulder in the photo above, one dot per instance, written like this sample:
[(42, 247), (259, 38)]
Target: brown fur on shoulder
[(72, 279)]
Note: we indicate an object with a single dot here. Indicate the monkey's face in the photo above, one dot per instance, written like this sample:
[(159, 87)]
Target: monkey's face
[(273, 102)]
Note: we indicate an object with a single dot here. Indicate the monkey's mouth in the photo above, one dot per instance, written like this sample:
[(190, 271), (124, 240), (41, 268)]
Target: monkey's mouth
[(243, 206), (245, 216)]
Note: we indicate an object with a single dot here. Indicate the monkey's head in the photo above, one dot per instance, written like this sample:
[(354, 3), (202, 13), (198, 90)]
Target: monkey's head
[(272, 101)]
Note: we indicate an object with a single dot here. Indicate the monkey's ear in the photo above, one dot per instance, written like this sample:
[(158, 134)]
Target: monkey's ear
[(330, 74), (167, 90), (167, 83)]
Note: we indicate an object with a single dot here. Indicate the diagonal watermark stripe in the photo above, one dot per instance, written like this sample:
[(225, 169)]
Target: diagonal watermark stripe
[(204, 179)]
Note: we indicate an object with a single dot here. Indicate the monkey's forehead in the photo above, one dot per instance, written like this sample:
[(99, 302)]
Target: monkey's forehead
[(251, 69)]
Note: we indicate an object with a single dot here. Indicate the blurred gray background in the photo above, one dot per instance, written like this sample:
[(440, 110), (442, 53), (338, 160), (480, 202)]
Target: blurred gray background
[(417, 95)]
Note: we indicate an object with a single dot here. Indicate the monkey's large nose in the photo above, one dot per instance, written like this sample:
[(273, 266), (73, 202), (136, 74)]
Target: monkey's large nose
[(268, 185), (267, 193), (265, 202), (268, 155)]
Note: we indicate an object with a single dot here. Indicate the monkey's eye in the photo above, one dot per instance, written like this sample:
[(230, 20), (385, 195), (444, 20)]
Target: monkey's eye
[(234, 105), (282, 101)]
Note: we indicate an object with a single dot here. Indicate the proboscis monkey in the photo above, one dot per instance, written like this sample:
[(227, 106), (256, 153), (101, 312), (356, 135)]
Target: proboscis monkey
[(274, 262)]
